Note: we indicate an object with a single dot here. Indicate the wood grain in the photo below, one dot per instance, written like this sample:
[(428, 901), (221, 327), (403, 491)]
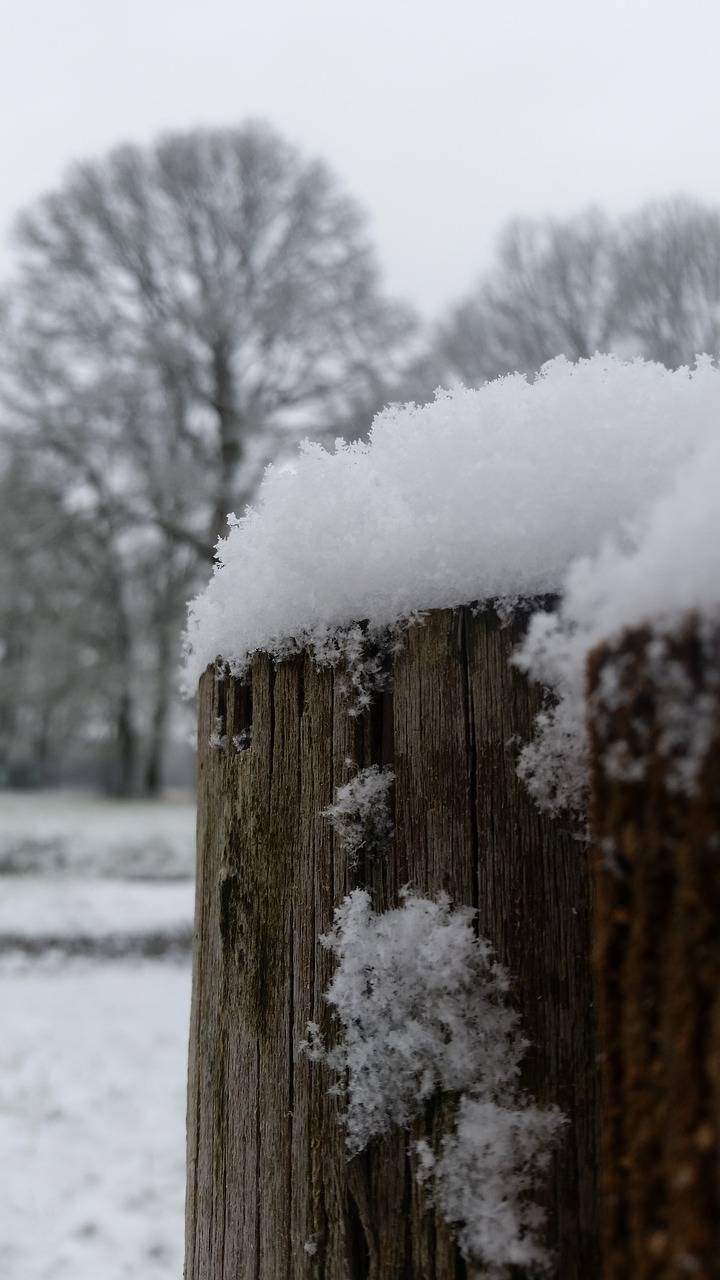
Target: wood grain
[(271, 1194), (657, 962)]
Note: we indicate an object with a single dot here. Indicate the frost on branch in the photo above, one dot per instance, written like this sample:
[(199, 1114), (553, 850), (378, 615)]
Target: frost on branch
[(421, 1003), (360, 813)]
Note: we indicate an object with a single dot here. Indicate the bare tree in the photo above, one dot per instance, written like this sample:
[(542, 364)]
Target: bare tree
[(104, 585), (63, 631), (181, 314), (227, 289), (550, 293), (668, 281), (648, 285)]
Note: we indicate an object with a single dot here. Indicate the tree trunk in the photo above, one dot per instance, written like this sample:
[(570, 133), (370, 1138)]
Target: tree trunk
[(152, 781), (124, 768), (271, 1193), (230, 443), (657, 957), (15, 642)]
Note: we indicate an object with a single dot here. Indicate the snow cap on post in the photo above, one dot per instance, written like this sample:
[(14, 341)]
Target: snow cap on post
[(667, 578), (480, 494)]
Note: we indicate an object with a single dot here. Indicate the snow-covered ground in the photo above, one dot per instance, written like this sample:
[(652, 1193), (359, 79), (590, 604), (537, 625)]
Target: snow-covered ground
[(93, 1051), (46, 908), (79, 832)]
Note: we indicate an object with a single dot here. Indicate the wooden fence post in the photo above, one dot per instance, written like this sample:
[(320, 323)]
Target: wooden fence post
[(657, 954), (271, 1194)]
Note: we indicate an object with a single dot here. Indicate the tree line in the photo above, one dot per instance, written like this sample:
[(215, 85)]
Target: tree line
[(647, 284), (179, 316)]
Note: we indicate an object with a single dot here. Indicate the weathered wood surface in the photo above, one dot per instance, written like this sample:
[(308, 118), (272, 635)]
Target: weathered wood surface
[(268, 1173), (657, 959)]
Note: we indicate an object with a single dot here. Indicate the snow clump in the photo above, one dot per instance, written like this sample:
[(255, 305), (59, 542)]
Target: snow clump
[(668, 577), (484, 1177), (421, 1003), (487, 493), (360, 813)]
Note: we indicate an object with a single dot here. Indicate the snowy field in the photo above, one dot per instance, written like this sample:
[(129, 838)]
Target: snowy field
[(94, 1037), (72, 831)]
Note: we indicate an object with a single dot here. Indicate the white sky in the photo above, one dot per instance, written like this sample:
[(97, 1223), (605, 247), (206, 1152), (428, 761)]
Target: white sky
[(443, 117)]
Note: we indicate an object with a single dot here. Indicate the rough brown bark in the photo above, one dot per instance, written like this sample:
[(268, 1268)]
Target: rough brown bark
[(268, 1172), (657, 962)]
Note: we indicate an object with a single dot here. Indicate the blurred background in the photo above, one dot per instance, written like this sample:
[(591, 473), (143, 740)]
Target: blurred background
[(227, 228)]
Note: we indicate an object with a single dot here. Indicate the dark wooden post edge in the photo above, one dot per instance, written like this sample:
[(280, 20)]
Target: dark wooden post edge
[(656, 867)]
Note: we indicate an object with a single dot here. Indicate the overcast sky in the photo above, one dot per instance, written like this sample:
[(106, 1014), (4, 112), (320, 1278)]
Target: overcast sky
[(443, 117)]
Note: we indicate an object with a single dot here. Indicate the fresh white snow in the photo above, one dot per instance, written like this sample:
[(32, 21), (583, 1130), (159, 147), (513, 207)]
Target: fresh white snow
[(60, 907), (669, 575), (93, 1053), (422, 1007), (486, 493), (360, 812), (92, 1119), (88, 834), (484, 1180)]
